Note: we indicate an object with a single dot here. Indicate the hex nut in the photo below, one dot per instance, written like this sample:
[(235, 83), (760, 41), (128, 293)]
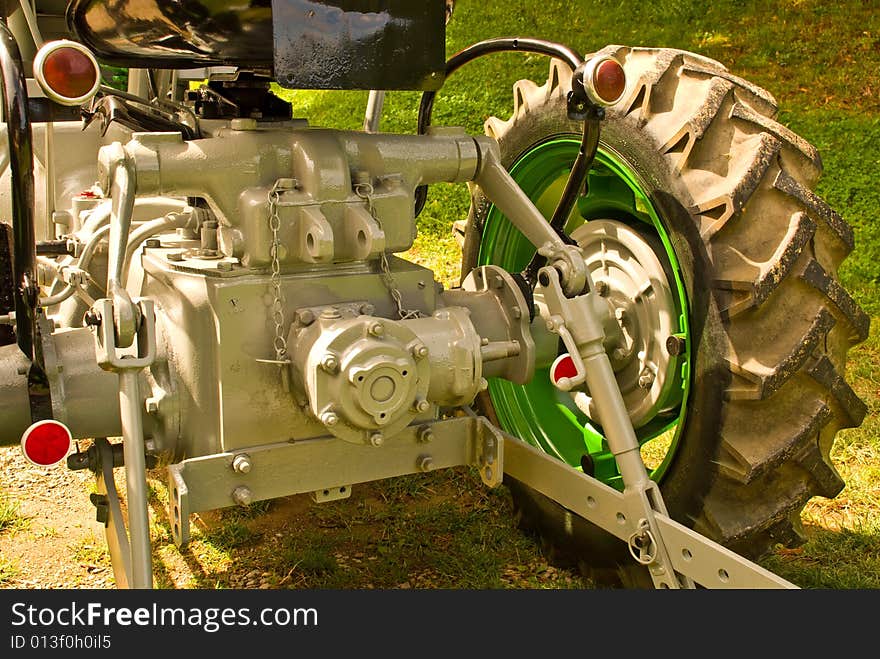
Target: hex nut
[(241, 463)]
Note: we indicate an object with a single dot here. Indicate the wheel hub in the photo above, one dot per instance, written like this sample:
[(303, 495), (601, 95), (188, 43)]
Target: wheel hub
[(641, 316)]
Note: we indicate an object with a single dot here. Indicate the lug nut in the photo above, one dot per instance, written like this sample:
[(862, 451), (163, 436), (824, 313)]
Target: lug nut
[(241, 463), (376, 439), (329, 418), (675, 345)]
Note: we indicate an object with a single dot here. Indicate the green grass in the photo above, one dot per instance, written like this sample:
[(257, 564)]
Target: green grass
[(820, 60), (11, 519)]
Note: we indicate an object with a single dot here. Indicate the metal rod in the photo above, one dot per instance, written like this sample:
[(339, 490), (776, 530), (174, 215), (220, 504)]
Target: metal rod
[(135, 479), (373, 114), (15, 112)]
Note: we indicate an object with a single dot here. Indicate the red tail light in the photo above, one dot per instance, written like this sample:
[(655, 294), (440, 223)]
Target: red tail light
[(67, 72), (604, 80), (563, 367), (46, 443)]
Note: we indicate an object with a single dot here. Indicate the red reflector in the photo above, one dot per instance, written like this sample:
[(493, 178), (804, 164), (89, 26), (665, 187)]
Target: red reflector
[(67, 72), (563, 367), (46, 443), (609, 80)]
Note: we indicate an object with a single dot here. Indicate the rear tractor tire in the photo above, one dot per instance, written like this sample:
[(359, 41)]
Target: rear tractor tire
[(693, 161)]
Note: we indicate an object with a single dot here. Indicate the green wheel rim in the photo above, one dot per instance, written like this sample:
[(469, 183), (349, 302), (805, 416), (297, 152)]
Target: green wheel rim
[(537, 412)]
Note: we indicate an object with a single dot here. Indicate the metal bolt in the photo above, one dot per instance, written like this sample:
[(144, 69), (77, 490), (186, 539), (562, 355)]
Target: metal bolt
[(420, 350), (242, 495), (329, 418), (242, 463), (152, 405), (376, 439), (330, 313), (426, 463), (376, 329), (421, 405), (484, 384), (646, 380), (426, 434), (175, 256), (675, 345), (619, 354), (92, 318), (601, 288), (330, 363), (367, 309), (305, 317), (153, 242)]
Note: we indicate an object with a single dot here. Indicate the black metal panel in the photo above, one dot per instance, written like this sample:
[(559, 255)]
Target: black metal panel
[(359, 44), (313, 44), (175, 33)]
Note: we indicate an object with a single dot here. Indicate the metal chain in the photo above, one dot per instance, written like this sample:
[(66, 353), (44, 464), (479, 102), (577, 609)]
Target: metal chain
[(277, 313), (365, 192)]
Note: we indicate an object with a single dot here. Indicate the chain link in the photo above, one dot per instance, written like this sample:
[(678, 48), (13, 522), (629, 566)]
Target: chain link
[(277, 313), (365, 192)]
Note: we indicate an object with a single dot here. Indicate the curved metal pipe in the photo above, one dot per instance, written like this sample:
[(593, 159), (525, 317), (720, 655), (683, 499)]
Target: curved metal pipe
[(21, 155)]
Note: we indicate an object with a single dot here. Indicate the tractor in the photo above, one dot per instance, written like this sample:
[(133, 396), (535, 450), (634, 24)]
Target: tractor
[(196, 280)]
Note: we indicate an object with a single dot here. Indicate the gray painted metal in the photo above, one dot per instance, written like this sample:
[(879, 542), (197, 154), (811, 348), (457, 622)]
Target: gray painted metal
[(311, 465), (691, 554)]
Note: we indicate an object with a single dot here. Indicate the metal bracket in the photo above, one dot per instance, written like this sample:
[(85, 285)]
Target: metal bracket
[(691, 555)]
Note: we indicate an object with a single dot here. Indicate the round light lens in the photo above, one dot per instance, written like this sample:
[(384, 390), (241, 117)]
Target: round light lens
[(46, 443), (604, 80), (609, 80), (67, 72)]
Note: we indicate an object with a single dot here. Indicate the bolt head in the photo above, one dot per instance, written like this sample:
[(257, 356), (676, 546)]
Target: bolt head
[(426, 463), (675, 345), (422, 405), (305, 317), (329, 418), (426, 434), (376, 329), (92, 318), (376, 439), (242, 495), (646, 380), (153, 242), (619, 354), (367, 309), (330, 363), (242, 463), (420, 350)]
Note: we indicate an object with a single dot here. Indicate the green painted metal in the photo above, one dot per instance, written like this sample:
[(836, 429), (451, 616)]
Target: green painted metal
[(537, 412)]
